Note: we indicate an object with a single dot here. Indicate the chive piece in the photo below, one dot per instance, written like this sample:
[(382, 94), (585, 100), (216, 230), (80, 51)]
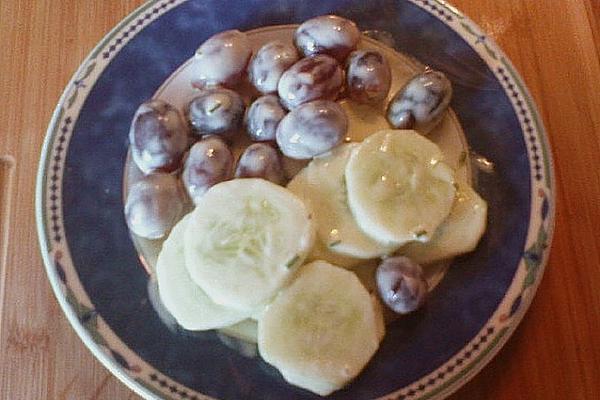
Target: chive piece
[(421, 234), (293, 261), (215, 107), (333, 244)]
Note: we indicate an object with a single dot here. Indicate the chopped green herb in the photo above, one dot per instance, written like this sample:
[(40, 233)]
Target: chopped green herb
[(462, 158), (333, 244), (342, 196), (421, 234), (215, 107), (293, 261)]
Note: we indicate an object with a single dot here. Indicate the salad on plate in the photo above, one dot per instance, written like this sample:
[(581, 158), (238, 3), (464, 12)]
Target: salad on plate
[(301, 192)]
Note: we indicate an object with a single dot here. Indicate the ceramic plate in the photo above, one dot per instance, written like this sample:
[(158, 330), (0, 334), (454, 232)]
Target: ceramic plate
[(96, 272)]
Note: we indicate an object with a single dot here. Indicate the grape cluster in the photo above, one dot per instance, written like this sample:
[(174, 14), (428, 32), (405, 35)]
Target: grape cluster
[(296, 115)]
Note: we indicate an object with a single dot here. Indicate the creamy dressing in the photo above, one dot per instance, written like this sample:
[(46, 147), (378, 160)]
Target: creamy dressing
[(363, 121)]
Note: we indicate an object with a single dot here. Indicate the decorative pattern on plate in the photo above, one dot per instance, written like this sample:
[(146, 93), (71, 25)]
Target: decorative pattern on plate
[(151, 383)]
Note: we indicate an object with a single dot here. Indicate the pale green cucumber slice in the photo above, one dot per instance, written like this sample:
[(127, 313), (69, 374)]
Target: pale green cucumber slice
[(322, 185), (399, 188), (458, 234), (245, 240), (188, 304), (322, 330)]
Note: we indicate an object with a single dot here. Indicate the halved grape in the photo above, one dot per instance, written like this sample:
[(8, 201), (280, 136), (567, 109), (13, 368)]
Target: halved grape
[(401, 284), (368, 76), (312, 78), (421, 103), (154, 205), (327, 34), (260, 160), (222, 59), (263, 117), (216, 111), (209, 162), (312, 129), (158, 137), (269, 63)]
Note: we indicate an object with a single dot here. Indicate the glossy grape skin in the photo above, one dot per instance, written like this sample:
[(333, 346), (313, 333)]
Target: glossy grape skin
[(269, 63), (209, 162), (158, 136), (263, 117), (154, 205), (260, 160), (401, 284), (421, 103), (327, 34), (222, 59), (216, 111), (312, 78), (312, 129), (368, 76)]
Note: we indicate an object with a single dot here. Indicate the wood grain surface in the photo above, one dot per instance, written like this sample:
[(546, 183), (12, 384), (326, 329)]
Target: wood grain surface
[(554, 354)]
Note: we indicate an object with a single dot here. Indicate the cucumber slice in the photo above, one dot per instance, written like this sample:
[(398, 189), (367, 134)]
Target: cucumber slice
[(322, 185), (458, 234), (399, 188), (321, 331), (245, 240), (188, 304)]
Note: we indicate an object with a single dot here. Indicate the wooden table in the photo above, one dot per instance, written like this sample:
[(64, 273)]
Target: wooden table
[(554, 354)]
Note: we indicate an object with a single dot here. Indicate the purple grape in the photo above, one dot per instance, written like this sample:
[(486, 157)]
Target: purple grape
[(312, 129), (209, 162), (222, 59), (401, 284), (312, 78), (269, 63), (327, 34), (263, 117), (154, 205), (368, 76), (421, 103), (158, 136), (260, 160), (216, 111)]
